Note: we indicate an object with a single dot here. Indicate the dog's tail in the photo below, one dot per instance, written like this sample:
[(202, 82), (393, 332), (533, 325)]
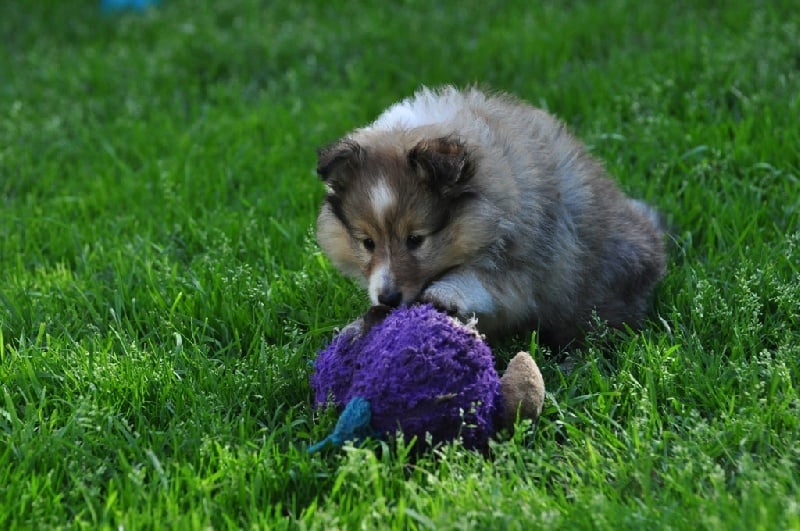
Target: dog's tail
[(650, 213)]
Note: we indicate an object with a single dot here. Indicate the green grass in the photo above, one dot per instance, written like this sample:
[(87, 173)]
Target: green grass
[(162, 298)]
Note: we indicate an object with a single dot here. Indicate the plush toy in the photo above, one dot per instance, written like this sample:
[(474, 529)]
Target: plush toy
[(424, 373)]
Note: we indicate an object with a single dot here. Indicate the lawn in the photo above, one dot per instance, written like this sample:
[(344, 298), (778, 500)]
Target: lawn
[(162, 297)]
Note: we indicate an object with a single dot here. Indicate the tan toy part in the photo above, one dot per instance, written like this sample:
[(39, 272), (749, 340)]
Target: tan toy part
[(522, 387)]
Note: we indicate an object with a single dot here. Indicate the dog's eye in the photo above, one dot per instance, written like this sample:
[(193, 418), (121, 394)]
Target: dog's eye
[(369, 244), (414, 241)]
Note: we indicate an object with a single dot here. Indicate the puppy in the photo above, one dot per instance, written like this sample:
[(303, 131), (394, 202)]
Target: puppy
[(487, 207)]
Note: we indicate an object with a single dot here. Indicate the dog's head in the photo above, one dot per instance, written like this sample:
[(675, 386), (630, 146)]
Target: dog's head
[(397, 217)]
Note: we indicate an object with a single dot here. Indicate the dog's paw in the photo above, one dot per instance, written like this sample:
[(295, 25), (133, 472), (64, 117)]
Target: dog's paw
[(462, 295), (443, 300)]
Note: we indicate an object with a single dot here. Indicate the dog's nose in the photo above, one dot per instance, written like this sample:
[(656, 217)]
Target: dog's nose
[(391, 298)]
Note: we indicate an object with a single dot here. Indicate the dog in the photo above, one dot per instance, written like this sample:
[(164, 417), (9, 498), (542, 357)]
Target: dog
[(487, 208)]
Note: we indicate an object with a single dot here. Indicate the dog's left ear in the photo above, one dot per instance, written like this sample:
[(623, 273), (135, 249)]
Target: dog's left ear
[(336, 162), (444, 162)]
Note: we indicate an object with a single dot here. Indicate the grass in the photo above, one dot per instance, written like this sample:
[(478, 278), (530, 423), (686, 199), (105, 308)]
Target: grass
[(162, 297)]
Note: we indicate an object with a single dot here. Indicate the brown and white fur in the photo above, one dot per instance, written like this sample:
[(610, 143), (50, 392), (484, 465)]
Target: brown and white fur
[(487, 207)]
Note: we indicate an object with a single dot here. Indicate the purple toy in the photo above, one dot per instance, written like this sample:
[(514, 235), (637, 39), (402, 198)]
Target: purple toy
[(423, 373)]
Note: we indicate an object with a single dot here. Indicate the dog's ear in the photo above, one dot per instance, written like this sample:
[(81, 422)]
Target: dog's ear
[(337, 161), (445, 163)]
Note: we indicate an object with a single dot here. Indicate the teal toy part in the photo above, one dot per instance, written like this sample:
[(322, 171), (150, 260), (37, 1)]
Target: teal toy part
[(353, 425), (110, 6)]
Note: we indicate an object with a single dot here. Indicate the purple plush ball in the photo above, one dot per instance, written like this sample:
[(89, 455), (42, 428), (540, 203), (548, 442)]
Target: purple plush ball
[(422, 372)]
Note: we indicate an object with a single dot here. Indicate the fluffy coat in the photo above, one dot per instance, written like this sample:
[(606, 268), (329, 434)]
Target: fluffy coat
[(487, 207)]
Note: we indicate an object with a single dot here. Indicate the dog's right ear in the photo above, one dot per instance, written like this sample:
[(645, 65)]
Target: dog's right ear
[(337, 161), (445, 163)]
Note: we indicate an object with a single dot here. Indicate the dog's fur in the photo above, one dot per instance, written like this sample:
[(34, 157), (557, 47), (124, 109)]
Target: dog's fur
[(486, 206)]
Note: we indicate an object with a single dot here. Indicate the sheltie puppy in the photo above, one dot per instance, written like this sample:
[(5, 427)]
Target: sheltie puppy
[(487, 207)]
